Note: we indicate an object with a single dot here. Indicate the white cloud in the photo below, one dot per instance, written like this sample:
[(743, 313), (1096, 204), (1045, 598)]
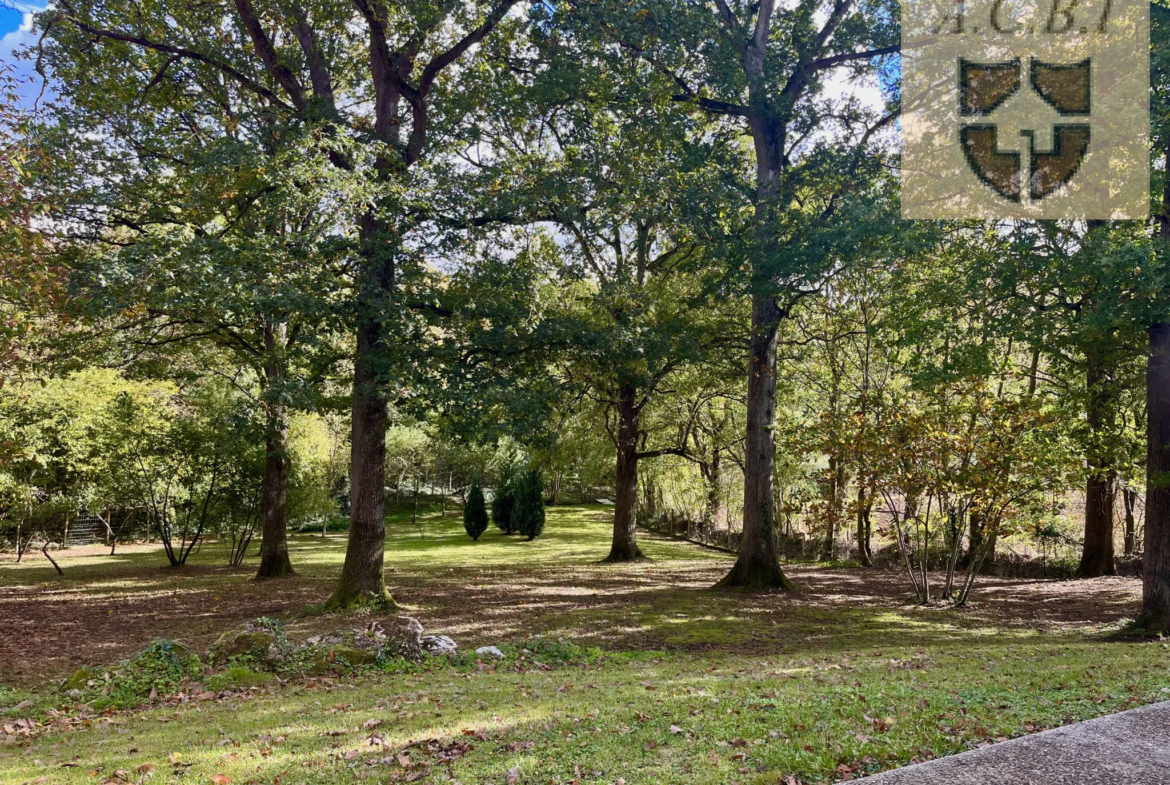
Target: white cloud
[(19, 38)]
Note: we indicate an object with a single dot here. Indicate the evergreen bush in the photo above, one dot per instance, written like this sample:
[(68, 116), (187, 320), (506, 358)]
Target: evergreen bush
[(475, 517), (505, 497), (528, 512)]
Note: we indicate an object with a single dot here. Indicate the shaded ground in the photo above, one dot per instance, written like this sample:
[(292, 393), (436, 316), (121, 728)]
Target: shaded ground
[(505, 589)]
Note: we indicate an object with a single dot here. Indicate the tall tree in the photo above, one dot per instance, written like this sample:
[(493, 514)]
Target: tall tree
[(197, 218), (814, 152), (619, 172), (1156, 559), (1067, 290), (384, 71)]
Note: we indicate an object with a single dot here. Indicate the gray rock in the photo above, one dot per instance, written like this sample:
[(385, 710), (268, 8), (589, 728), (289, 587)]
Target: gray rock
[(1132, 747), (260, 643), (490, 651), (78, 682), (397, 637), (436, 645)]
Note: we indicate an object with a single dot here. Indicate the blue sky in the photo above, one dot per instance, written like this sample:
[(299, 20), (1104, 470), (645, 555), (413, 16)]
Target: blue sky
[(12, 13), (15, 33), (9, 20)]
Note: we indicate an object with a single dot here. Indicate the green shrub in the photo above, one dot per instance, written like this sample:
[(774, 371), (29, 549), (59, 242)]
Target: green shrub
[(334, 523), (162, 668), (504, 499), (528, 512), (552, 651), (475, 517), (237, 677)]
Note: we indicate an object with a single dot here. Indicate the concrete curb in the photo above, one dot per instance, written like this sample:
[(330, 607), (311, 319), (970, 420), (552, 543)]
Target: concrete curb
[(1130, 748)]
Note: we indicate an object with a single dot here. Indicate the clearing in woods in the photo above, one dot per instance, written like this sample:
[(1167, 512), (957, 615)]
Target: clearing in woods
[(844, 678)]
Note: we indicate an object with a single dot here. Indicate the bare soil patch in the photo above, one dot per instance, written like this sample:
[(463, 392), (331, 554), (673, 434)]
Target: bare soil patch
[(101, 614)]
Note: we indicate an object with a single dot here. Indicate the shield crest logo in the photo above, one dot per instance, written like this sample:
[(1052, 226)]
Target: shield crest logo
[(1025, 109), (984, 87)]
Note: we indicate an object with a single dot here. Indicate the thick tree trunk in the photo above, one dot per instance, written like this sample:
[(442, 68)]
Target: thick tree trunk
[(625, 539), (1156, 556), (1101, 485), (274, 560), (992, 540), (864, 505), (835, 504), (1156, 544), (716, 513), (1129, 498), (758, 565), (1100, 496), (650, 499), (975, 525), (362, 579)]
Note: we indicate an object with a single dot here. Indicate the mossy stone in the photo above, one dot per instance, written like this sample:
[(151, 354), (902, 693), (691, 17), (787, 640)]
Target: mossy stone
[(79, 680), (355, 656), (241, 643), (330, 658)]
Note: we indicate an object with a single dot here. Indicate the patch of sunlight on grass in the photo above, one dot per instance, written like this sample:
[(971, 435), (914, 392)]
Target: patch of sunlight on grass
[(649, 718)]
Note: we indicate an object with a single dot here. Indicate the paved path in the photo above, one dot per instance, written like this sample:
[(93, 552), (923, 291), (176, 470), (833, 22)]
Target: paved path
[(1131, 748)]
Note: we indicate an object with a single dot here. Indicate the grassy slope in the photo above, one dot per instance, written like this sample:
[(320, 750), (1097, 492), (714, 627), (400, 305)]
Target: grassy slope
[(830, 701)]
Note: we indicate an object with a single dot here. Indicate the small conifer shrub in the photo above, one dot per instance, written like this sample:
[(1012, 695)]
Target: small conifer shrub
[(528, 513), (475, 516), (504, 498)]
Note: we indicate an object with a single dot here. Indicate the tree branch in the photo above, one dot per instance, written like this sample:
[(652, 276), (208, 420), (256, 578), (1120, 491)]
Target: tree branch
[(179, 51)]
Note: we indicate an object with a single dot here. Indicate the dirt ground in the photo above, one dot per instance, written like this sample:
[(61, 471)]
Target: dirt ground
[(50, 628)]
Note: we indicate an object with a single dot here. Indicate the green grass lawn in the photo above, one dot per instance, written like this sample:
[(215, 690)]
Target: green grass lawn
[(842, 679)]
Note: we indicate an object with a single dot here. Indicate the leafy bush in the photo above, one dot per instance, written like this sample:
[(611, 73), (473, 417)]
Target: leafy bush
[(552, 651), (333, 523), (504, 499), (260, 644), (475, 517), (528, 512), (161, 668)]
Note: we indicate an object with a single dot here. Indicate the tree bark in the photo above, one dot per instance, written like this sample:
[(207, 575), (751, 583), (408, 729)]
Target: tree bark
[(758, 565), (1101, 485), (1156, 545), (625, 539), (1156, 556), (835, 501), (650, 499), (1100, 496), (362, 580), (864, 505), (716, 513), (274, 560), (1129, 499)]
